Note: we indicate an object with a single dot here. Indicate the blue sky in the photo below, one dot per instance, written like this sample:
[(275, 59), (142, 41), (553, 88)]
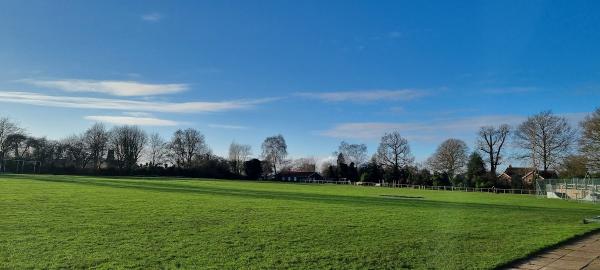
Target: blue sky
[(317, 72)]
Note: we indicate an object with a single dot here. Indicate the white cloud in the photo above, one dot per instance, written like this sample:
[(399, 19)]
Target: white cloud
[(226, 126), (130, 120), (366, 95), (420, 131), (115, 88), (152, 17), (575, 118), (127, 105), (331, 159)]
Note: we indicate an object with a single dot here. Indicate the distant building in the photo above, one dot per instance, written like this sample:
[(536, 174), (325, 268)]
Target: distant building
[(298, 176), (527, 175), (110, 161)]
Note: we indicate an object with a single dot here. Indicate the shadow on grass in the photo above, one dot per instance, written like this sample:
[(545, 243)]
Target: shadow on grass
[(381, 200), (401, 197)]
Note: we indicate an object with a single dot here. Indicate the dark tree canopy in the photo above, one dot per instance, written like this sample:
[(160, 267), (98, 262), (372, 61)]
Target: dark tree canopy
[(372, 172), (253, 169)]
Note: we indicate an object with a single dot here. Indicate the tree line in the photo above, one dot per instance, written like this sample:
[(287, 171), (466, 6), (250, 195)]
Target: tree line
[(545, 141)]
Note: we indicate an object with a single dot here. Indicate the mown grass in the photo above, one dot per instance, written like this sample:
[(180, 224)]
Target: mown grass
[(83, 222)]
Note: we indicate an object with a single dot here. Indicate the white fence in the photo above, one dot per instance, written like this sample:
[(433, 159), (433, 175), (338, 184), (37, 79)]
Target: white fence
[(423, 187)]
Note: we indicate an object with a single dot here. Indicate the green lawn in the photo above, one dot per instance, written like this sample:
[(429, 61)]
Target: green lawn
[(82, 222)]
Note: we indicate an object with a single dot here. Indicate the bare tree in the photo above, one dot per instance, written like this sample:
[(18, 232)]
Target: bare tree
[(574, 166), (96, 139), (128, 143), (267, 168), (394, 152), (305, 165), (546, 139), (491, 142), (274, 150), (450, 157), (76, 151), (238, 154), (187, 145), (157, 150), (590, 140), (7, 128), (356, 153)]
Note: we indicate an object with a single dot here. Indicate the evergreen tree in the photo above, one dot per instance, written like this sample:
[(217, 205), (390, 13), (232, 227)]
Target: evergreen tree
[(476, 173), (441, 179), (352, 172), (331, 172), (372, 172), (342, 167)]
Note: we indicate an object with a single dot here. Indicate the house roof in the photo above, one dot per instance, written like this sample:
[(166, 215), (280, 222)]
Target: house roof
[(524, 172), (520, 171)]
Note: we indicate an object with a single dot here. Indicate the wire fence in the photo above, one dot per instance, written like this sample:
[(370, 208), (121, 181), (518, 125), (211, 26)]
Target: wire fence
[(578, 189)]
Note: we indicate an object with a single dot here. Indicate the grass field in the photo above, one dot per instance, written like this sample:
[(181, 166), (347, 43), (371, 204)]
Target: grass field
[(82, 222)]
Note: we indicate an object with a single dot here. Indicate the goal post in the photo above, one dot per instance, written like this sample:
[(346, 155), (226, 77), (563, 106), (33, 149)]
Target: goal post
[(20, 166), (577, 189)]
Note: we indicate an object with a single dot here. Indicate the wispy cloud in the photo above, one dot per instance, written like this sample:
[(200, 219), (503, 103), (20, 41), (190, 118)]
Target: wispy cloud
[(138, 114), (419, 131), (433, 130), (366, 95), (130, 120), (226, 126), (115, 88), (152, 17), (127, 105), (397, 109)]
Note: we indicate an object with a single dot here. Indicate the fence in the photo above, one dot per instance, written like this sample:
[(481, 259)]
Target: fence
[(19, 166), (464, 189), (312, 181), (422, 187)]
